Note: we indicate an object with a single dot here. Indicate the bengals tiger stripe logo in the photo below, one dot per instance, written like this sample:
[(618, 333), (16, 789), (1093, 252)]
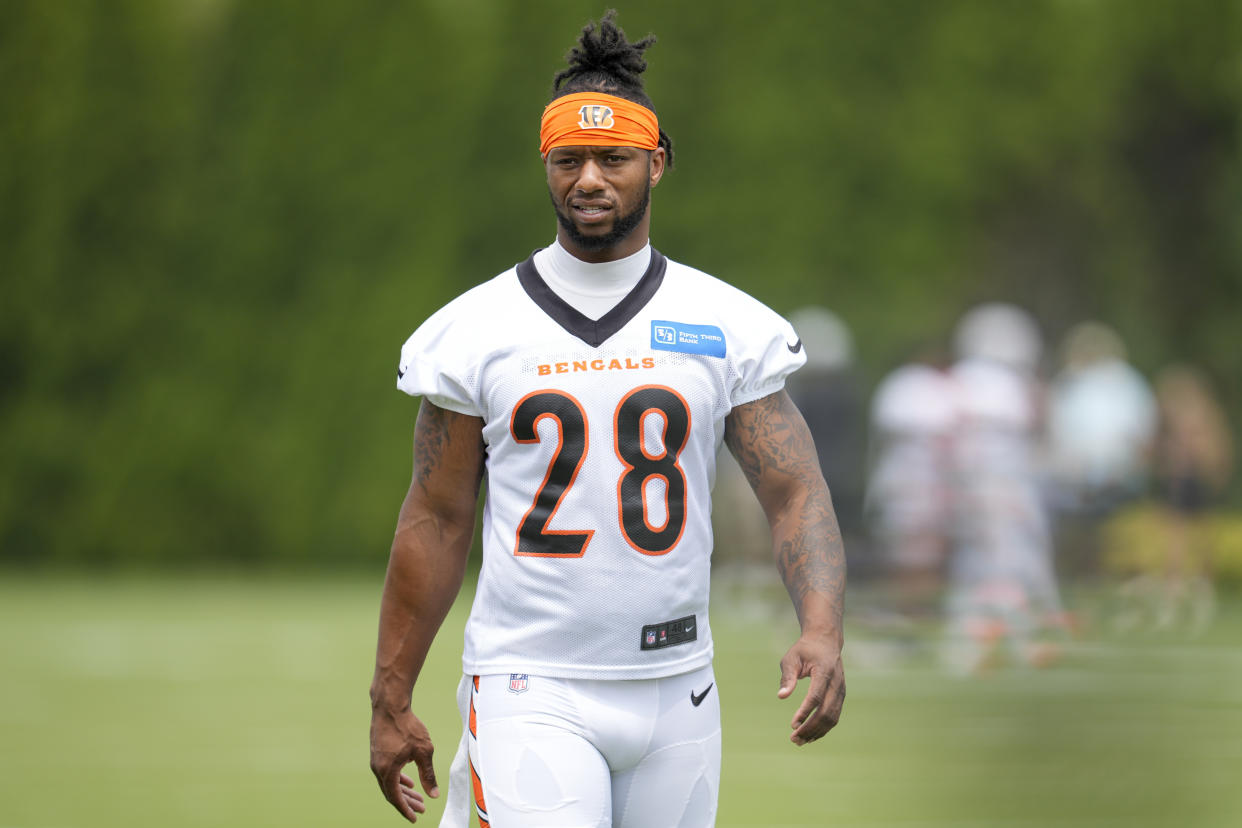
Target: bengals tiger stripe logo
[(595, 116)]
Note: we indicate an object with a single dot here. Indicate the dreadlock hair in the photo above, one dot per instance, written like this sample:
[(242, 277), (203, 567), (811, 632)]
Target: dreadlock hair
[(605, 61)]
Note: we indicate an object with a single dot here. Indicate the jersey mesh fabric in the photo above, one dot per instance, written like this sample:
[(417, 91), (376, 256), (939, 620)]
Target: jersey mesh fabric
[(604, 457)]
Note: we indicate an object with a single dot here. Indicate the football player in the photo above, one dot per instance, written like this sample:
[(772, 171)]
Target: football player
[(592, 385)]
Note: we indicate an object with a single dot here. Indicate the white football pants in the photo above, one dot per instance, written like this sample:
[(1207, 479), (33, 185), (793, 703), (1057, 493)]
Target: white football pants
[(552, 753)]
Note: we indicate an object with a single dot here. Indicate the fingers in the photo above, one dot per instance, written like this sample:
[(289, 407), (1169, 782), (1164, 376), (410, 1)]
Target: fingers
[(821, 709), (794, 666), (412, 801), (398, 788), (804, 718), (400, 792), (789, 677), (397, 740), (427, 775)]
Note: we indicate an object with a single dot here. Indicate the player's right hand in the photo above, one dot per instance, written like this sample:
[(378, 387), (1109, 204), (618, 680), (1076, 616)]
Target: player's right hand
[(396, 740)]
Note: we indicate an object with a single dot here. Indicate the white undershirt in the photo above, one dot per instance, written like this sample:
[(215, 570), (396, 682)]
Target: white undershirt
[(590, 289)]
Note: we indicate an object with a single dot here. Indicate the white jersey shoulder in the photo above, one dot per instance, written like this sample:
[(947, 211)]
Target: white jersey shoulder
[(438, 358), (601, 439), (764, 348)]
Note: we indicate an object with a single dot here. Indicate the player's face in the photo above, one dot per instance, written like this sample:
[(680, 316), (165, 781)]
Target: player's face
[(602, 198)]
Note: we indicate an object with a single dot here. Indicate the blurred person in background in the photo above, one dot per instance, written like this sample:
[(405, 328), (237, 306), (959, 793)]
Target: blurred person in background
[(1193, 465), (593, 385), (1101, 420), (1004, 596), (913, 421)]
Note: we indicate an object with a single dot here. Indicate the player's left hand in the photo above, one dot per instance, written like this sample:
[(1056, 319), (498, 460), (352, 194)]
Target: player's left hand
[(820, 661)]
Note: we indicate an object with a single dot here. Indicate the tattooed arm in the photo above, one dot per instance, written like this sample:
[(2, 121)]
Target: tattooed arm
[(772, 444), (425, 572)]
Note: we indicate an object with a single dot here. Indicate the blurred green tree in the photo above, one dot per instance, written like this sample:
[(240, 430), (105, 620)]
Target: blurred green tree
[(218, 220)]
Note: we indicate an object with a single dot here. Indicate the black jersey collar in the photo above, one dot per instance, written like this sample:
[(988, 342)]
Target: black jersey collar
[(593, 332)]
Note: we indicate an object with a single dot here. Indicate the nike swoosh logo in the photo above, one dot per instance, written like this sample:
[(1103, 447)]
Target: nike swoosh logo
[(697, 700), (400, 373), (794, 348)]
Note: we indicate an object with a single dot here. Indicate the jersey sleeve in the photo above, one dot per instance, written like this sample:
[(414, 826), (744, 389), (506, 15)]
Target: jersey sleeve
[(436, 364), (769, 353)]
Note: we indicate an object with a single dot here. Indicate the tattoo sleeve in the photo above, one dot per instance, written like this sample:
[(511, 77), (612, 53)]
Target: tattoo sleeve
[(431, 438), (443, 448), (774, 447)]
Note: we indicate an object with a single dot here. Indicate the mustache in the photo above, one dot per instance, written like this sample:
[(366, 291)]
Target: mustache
[(622, 226)]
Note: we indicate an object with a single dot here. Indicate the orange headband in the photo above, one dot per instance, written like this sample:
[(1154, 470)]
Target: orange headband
[(598, 120)]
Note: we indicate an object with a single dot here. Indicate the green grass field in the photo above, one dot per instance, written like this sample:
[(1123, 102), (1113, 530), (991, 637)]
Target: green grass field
[(230, 702)]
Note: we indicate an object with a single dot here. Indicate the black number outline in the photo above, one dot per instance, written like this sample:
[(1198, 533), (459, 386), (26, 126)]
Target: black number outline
[(529, 411), (641, 467), (632, 518)]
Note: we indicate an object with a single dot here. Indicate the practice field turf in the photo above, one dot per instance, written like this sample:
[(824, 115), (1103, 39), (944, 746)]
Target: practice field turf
[(217, 702)]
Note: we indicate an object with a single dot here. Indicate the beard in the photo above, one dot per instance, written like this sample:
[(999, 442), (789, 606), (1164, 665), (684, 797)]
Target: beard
[(621, 227)]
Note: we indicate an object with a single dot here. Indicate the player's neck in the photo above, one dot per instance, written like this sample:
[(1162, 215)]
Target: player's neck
[(594, 277), (591, 289)]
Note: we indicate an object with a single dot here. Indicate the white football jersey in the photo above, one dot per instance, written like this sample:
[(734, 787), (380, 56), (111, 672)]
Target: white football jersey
[(601, 440)]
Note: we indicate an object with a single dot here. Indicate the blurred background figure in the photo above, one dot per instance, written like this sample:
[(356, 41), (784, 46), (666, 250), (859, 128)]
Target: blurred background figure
[(1101, 422), (1003, 592), (1193, 464), (828, 392), (910, 487)]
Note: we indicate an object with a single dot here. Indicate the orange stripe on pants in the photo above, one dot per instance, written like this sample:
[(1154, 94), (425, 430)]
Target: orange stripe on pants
[(474, 723), (480, 805)]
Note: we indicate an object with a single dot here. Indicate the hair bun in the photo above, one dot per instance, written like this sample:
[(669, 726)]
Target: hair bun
[(605, 50)]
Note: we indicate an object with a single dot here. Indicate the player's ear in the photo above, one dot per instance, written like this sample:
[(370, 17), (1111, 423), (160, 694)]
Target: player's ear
[(655, 165)]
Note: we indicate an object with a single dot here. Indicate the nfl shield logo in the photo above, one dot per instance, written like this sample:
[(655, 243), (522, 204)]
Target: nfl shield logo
[(650, 636), (518, 682)]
